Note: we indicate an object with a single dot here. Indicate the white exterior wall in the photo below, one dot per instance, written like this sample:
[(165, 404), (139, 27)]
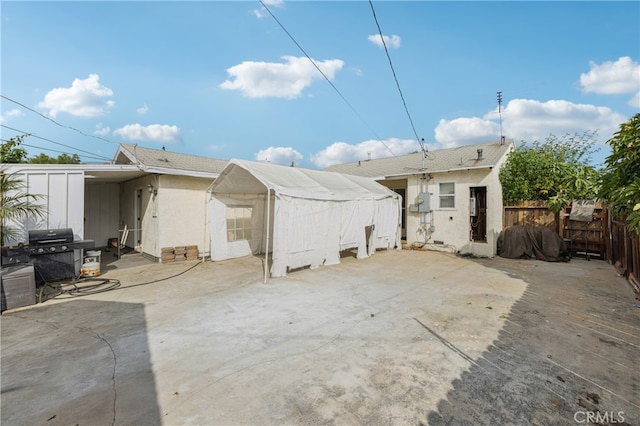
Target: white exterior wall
[(182, 206), (452, 226), (62, 194)]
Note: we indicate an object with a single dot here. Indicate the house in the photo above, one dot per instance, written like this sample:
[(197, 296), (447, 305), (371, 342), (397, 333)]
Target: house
[(146, 198), (452, 197), (302, 217)]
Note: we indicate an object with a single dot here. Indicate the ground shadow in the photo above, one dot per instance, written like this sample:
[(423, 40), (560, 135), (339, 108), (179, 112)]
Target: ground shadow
[(77, 362), (567, 354)]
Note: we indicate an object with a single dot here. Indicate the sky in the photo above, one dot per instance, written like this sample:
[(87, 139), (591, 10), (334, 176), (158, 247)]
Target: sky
[(314, 83)]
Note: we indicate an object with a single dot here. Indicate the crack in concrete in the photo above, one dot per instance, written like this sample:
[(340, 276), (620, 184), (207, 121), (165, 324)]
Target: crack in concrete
[(113, 372)]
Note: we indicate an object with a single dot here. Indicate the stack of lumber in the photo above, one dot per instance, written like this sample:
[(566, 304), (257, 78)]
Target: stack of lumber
[(179, 253)]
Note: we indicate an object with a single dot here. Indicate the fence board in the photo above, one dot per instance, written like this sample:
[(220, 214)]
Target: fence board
[(624, 251), (529, 213), (586, 238), (608, 238)]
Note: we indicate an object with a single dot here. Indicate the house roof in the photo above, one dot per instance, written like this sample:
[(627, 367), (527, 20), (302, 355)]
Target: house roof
[(167, 162), (250, 177), (444, 160)]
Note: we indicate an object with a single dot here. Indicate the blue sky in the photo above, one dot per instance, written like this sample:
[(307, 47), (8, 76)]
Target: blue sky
[(223, 79)]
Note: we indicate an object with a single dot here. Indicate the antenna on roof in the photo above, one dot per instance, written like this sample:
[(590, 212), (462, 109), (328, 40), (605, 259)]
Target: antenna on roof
[(500, 115)]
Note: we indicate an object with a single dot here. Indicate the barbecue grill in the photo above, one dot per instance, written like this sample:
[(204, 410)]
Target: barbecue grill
[(54, 254)]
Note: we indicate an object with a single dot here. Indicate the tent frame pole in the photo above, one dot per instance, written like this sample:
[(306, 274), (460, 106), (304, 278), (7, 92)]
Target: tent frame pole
[(266, 249)]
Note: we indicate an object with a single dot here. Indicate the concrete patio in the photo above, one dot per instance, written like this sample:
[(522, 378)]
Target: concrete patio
[(403, 337)]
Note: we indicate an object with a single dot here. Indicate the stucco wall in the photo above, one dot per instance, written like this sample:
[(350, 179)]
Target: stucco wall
[(451, 226), (177, 215), (183, 208)]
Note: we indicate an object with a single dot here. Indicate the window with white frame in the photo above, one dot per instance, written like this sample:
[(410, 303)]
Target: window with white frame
[(238, 223), (447, 195)]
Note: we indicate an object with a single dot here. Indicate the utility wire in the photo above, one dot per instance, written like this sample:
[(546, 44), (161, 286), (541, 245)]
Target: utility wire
[(396, 77), (54, 121), (93, 154), (53, 150), (325, 77)]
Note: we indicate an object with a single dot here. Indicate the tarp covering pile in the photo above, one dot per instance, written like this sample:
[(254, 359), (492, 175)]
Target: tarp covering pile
[(309, 217), (527, 242)]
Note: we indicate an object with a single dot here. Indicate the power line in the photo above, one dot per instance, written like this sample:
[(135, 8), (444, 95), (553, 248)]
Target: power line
[(52, 150), (395, 77), (325, 77), (54, 121), (56, 143)]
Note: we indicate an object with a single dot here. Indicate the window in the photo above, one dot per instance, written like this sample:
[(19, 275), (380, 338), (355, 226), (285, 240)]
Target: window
[(238, 223), (447, 195)]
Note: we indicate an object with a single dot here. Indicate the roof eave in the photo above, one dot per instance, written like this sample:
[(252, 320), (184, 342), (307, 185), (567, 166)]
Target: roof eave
[(180, 172), (427, 171)]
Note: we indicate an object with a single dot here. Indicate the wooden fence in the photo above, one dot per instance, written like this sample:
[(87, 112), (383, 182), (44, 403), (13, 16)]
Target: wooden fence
[(605, 238), (534, 213), (624, 252), (584, 238)]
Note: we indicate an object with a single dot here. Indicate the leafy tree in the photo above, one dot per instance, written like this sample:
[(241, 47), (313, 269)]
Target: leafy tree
[(557, 170), (16, 203), (68, 159), (621, 179), (11, 152), (43, 158)]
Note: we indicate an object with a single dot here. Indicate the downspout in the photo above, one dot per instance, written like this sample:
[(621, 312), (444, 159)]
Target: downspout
[(266, 250)]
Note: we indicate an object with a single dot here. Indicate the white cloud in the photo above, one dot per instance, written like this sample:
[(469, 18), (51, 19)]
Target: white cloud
[(465, 131), (143, 110), (260, 13), (152, 132), (611, 78), (279, 80), (101, 131), (85, 98), (279, 155), (530, 120), (392, 41), (12, 113), (341, 152)]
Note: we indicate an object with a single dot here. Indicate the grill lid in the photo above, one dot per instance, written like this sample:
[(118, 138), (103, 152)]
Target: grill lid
[(50, 236)]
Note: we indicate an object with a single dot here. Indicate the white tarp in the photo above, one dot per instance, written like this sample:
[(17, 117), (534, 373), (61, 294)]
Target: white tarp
[(312, 215)]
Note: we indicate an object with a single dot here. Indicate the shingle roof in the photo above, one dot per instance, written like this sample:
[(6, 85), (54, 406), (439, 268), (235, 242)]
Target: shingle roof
[(443, 160), (159, 158)]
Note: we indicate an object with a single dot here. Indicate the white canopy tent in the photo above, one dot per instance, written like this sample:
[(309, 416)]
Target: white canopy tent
[(303, 217)]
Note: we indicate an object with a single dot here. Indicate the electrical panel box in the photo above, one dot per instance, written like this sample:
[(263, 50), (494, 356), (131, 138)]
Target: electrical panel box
[(472, 206), (424, 202)]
